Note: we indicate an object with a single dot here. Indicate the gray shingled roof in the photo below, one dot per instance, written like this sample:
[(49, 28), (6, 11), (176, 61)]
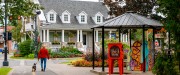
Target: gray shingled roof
[(131, 20), (74, 7)]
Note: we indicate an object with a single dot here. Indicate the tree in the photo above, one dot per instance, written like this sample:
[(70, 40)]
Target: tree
[(16, 33), (171, 9), (17, 8), (117, 8)]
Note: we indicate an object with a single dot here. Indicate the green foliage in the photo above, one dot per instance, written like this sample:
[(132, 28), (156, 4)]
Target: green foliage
[(50, 51), (164, 65), (137, 35), (66, 52), (30, 56), (5, 70), (172, 22), (143, 7), (18, 8), (107, 41), (126, 46), (24, 47), (89, 56), (16, 35)]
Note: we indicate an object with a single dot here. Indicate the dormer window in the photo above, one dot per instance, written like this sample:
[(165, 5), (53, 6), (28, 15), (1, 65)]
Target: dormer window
[(51, 16), (65, 17), (82, 18), (98, 18)]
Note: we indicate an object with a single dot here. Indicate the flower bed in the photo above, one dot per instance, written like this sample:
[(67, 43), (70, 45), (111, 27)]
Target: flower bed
[(85, 63)]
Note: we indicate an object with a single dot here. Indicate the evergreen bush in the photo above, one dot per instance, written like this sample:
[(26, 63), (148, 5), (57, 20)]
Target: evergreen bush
[(24, 47)]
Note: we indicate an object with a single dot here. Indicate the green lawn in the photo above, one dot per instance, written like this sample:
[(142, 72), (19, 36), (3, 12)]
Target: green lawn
[(69, 60), (12, 57), (5, 70)]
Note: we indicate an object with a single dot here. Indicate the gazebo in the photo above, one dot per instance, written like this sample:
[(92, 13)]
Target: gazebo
[(128, 20)]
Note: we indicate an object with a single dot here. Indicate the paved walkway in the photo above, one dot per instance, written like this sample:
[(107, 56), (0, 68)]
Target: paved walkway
[(24, 67), (52, 69)]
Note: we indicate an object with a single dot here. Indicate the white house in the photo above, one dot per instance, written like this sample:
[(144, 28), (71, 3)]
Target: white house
[(70, 22)]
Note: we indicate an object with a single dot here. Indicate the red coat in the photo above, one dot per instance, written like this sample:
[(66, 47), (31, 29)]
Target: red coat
[(43, 53)]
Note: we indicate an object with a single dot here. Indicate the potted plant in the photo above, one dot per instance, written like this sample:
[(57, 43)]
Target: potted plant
[(56, 42)]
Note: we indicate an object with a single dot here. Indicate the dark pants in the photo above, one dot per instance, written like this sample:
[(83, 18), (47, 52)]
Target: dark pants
[(43, 60)]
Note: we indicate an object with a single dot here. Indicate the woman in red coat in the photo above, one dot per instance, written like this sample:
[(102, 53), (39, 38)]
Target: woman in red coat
[(43, 55)]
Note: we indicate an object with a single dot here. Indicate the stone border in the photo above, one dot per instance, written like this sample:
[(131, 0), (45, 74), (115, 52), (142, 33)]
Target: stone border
[(10, 73)]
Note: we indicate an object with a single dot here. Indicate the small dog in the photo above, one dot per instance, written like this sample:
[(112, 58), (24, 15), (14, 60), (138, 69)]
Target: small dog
[(34, 67)]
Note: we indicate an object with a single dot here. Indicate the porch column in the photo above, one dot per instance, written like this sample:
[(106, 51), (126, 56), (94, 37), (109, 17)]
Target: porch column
[(81, 36), (62, 35), (126, 37), (96, 35), (41, 35), (121, 37), (110, 34), (47, 35), (77, 35), (44, 35)]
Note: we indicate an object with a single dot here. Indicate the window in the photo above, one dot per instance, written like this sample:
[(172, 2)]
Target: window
[(82, 18), (32, 27), (98, 19), (51, 17), (66, 18)]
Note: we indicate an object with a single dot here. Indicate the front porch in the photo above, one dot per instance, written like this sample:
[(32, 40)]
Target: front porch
[(80, 39)]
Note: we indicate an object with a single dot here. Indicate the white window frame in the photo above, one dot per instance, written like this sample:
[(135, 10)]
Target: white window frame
[(80, 18), (48, 15), (97, 19), (63, 17), (66, 18), (51, 17)]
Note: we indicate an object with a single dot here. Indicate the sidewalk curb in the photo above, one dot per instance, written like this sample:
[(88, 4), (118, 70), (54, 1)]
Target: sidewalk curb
[(10, 73)]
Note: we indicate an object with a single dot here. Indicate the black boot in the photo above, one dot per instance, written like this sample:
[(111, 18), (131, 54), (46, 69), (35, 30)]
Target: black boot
[(42, 70)]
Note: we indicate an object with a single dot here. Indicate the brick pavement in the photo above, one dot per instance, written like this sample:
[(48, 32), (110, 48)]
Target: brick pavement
[(24, 67)]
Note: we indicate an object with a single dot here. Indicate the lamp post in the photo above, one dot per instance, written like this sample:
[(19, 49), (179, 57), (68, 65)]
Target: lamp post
[(5, 62), (36, 33)]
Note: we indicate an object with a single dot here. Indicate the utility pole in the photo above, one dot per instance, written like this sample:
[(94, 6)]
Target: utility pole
[(36, 34), (5, 62)]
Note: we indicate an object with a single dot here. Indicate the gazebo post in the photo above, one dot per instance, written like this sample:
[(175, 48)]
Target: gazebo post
[(103, 48), (144, 65), (119, 34), (93, 47), (169, 41), (153, 45), (130, 39)]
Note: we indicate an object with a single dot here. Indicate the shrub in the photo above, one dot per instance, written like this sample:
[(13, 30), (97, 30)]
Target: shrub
[(164, 65), (49, 51), (24, 47), (86, 63), (17, 54), (30, 56), (65, 52), (89, 56), (75, 51)]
